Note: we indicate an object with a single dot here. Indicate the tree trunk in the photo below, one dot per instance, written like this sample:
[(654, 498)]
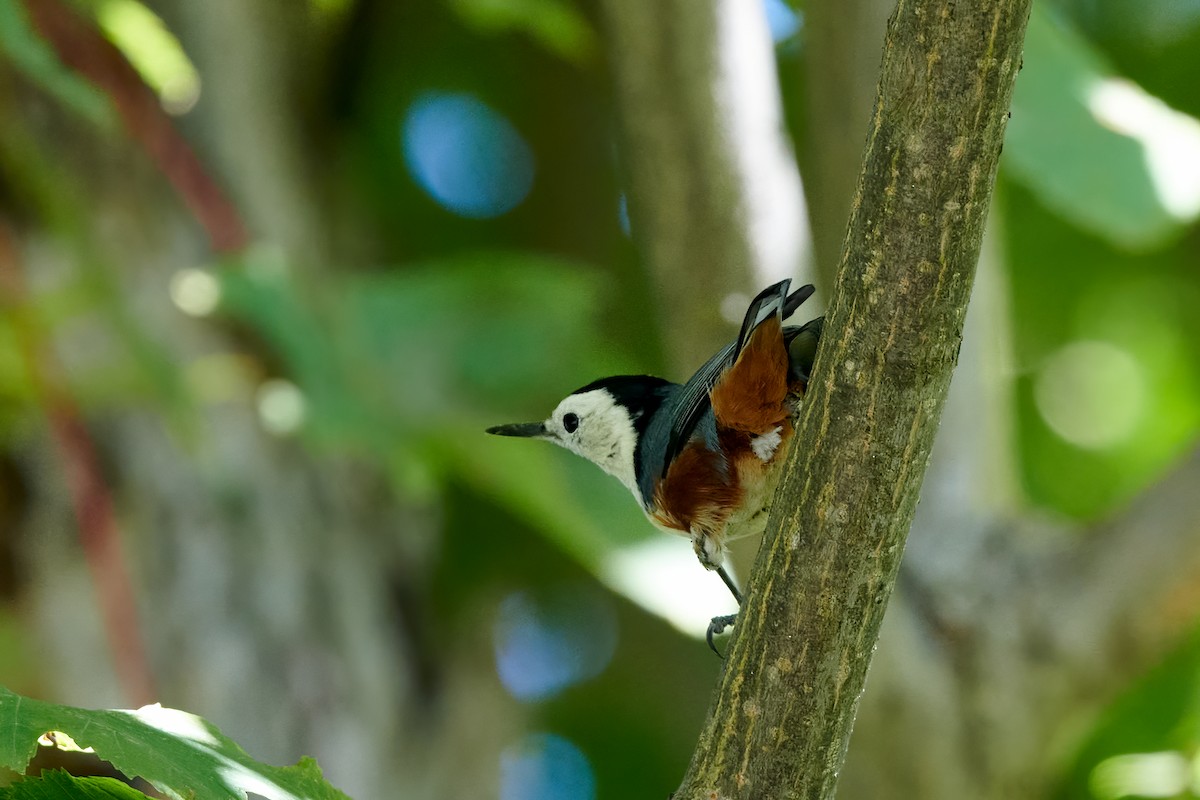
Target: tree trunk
[(781, 721), (713, 190)]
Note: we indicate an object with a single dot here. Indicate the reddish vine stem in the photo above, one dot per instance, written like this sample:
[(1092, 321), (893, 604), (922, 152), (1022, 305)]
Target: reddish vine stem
[(84, 49), (90, 497)]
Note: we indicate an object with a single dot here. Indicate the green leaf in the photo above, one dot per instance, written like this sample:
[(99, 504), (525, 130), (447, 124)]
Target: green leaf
[(58, 785), (1072, 287), (1059, 147), (179, 753), (29, 53), (1158, 714)]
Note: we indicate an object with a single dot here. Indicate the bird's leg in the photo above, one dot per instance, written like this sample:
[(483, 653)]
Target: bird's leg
[(718, 624), (716, 627), (708, 550), (737, 595)]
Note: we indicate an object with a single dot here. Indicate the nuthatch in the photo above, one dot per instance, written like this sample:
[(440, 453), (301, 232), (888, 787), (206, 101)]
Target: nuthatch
[(698, 457)]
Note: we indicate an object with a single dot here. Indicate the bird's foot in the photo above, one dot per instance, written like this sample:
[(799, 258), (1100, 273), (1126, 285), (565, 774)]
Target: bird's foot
[(716, 627)]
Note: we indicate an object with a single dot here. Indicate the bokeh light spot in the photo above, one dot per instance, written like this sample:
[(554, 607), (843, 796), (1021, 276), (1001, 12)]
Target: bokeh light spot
[(1092, 394), (733, 307), (544, 766), (660, 575), (195, 292), (468, 157), (281, 406), (545, 644), (781, 19)]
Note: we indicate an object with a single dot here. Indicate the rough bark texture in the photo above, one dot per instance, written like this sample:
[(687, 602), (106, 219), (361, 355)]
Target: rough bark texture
[(782, 718)]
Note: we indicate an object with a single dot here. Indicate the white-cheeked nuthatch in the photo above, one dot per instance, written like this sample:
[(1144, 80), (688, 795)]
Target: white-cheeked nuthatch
[(699, 457)]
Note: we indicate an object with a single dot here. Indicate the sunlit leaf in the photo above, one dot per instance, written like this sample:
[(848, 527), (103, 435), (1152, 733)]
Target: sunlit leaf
[(1063, 142), (1159, 713), (179, 753), (152, 50)]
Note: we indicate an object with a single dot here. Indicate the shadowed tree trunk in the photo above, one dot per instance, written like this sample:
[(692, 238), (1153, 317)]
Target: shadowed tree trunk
[(713, 190)]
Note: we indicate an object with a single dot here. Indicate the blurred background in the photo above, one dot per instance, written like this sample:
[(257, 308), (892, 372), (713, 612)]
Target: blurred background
[(268, 268)]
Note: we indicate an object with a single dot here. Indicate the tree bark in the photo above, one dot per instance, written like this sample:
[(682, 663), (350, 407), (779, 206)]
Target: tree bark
[(782, 717), (713, 191)]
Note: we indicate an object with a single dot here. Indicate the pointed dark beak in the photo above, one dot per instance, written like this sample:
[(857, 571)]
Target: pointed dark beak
[(528, 430)]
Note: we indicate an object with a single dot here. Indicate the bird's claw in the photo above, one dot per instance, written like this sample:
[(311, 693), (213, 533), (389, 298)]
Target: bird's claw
[(716, 627)]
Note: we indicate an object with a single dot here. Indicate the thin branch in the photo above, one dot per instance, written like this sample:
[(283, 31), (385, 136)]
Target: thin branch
[(781, 721)]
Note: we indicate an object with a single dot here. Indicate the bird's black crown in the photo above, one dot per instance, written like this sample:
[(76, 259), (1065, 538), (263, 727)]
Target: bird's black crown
[(640, 395)]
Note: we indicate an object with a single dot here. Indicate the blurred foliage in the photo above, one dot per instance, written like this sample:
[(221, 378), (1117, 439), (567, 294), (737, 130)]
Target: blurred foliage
[(1055, 141), (1094, 256), (555, 24), (433, 326), (1159, 715), (179, 753), (637, 719), (407, 367), (21, 46), (1140, 303)]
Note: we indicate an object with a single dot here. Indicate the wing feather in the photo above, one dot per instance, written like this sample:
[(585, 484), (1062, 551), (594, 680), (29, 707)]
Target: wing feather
[(692, 402)]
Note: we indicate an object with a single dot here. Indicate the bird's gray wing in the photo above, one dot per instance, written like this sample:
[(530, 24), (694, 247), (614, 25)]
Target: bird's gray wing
[(692, 402)]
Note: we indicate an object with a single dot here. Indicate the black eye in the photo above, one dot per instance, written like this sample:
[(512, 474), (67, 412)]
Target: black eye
[(570, 422)]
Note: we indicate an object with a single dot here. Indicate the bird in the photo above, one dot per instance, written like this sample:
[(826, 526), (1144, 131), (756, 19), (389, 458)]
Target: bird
[(702, 456)]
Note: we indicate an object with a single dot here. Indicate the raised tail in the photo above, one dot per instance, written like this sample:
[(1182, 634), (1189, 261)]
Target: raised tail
[(797, 298), (770, 302)]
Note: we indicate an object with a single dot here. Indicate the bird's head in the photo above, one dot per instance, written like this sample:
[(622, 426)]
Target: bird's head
[(603, 422)]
